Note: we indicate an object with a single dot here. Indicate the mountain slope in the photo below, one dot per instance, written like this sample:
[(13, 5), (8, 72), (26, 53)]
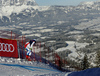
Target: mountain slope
[(55, 25), (17, 2), (48, 15), (14, 67)]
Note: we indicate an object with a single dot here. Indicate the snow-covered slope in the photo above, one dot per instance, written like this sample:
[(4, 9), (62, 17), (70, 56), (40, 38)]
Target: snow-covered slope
[(73, 47), (27, 19), (8, 10), (17, 2), (88, 72), (19, 67), (7, 7), (87, 3)]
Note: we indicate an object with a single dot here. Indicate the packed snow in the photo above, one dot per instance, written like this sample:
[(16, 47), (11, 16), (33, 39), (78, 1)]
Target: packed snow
[(20, 67)]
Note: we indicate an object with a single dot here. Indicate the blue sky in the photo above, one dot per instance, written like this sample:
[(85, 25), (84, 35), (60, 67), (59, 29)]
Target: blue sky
[(59, 2)]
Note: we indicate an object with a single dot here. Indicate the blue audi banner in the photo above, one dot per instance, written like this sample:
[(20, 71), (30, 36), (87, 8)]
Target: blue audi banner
[(8, 48)]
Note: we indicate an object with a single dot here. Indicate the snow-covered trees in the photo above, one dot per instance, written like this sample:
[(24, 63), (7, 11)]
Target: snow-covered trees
[(85, 63), (97, 59)]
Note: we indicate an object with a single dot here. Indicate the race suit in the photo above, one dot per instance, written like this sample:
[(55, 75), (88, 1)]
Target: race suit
[(29, 47)]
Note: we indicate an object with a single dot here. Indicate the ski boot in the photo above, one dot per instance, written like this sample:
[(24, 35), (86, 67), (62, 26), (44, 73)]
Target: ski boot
[(28, 58)]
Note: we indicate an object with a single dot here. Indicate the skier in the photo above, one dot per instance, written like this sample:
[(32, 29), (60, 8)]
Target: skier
[(28, 48)]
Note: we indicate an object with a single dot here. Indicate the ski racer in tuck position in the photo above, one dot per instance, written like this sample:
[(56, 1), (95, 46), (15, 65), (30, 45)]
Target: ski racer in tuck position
[(28, 47)]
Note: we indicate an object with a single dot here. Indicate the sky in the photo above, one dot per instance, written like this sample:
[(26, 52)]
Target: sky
[(59, 2)]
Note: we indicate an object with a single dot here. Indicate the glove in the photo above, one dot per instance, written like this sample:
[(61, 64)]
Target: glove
[(31, 49), (25, 50)]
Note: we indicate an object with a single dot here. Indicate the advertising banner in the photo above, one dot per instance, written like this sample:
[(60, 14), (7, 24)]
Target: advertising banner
[(8, 48)]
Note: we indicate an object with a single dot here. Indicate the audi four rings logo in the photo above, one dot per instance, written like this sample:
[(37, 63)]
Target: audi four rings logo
[(6, 47)]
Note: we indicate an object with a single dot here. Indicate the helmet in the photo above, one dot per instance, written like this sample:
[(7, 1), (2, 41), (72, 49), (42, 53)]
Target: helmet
[(31, 41), (34, 40)]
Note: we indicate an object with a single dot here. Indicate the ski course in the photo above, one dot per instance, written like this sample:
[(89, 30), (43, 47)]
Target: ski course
[(24, 70), (18, 67), (31, 68)]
